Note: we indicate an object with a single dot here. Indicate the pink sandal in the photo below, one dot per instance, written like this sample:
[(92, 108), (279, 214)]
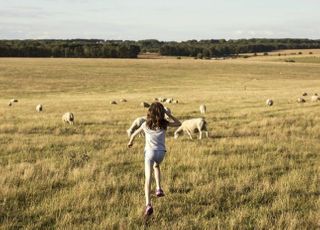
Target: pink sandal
[(159, 193)]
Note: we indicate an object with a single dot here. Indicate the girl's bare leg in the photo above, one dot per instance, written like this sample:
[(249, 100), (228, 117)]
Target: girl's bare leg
[(157, 175), (147, 186)]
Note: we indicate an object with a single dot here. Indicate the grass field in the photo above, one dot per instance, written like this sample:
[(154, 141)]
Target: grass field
[(260, 169)]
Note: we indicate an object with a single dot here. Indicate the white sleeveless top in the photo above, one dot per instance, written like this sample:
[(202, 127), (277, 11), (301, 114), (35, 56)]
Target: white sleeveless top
[(155, 139)]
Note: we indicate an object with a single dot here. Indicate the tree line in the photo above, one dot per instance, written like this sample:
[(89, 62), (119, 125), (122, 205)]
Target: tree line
[(97, 48)]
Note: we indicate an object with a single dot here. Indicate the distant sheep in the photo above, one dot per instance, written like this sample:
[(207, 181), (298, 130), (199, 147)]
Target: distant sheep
[(301, 100), (269, 102), (123, 100), (155, 99), (191, 126), (113, 103), (135, 125), (39, 108), (169, 100), (175, 101), (68, 118), (10, 103), (304, 94), (14, 100), (315, 98), (161, 99), (203, 109), (145, 104)]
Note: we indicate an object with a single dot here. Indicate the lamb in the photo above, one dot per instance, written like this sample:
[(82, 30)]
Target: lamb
[(145, 104), (269, 102), (135, 125), (301, 100), (113, 102), (191, 126), (39, 108), (68, 118), (203, 109), (315, 98)]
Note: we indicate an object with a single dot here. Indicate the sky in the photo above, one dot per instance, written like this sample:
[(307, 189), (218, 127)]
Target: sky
[(165, 20)]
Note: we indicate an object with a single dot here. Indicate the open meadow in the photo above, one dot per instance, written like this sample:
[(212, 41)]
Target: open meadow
[(259, 169)]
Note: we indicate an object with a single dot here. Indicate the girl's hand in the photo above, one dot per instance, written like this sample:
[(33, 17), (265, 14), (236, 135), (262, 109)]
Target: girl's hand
[(130, 144)]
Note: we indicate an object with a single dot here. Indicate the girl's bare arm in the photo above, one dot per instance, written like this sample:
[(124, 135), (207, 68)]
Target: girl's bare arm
[(175, 123), (134, 135)]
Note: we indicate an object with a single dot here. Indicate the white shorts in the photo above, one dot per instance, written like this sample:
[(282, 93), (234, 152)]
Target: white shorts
[(154, 156)]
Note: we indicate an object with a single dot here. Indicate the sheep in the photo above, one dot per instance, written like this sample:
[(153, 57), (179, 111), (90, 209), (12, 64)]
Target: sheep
[(269, 102), (203, 109), (169, 100), (315, 98), (304, 94), (39, 108), (315, 94), (68, 118), (10, 103), (155, 99), (175, 101), (145, 104), (113, 102), (123, 100), (191, 126), (135, 125), (301, 100), (161, 99), (14, 100)]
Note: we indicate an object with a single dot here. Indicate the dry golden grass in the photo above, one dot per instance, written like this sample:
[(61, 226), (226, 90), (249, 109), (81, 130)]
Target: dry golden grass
[(259, 170)]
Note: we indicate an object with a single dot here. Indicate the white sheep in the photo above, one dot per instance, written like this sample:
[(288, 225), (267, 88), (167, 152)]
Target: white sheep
[(192, 126), (135, 125), (269, 102), (113, 102), (175, 101), (161, 99), (203, 109), (305, 94), (315, 98), (68, 118), (39, 108), (169, 100), (145, 104), (123, 100), (14, 100), (301, 100), (10, 103)]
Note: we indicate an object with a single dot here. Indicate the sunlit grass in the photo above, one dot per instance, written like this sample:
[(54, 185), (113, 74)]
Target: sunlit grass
[(259, 168)]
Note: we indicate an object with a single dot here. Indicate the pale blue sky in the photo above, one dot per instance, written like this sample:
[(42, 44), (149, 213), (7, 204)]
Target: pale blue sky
[(162, 19)]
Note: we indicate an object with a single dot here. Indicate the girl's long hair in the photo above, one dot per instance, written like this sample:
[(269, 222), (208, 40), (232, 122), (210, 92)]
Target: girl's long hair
[(155, 117)]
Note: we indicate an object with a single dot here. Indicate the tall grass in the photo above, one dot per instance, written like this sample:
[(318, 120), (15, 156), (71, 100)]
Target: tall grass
[(259, 169)]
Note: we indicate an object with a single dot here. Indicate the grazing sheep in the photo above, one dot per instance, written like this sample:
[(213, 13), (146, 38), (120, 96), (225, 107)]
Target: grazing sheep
[(315, 94), (301, 100), (68, 118), (161, 99), (155, 99), (169, 100), (113, 102), (10, 103), (192, 126), (135, 125), (203, 109), (269, 102), (14, 100), (315, 98), (39, 108), (123, 100), (145, 104), (175, 101), (304, 94)]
